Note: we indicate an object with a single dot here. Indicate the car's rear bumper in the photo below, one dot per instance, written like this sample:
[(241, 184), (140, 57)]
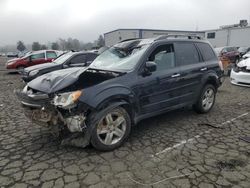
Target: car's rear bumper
[(240, 78)]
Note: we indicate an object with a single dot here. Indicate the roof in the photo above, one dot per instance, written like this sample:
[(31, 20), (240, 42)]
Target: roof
[(160, 30), (41, 51)]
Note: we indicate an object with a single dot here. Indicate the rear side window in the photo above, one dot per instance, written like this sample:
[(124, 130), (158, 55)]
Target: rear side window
[(78, 59), (51, 55), (186, 54), (206, 51), (164, 57), (38, 56)]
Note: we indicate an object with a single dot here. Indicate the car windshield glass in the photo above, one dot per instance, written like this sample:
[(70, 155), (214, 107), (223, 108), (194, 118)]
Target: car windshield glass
[(62, 58), (242, 49), (119, 59)]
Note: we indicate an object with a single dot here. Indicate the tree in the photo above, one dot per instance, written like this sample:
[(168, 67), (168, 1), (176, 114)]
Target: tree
[(36, 46), (20, 46), (55, 46), (43, 47), (100, 41)]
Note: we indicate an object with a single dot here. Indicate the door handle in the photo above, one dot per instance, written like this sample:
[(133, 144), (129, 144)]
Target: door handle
[(175, 75), (203, 69)]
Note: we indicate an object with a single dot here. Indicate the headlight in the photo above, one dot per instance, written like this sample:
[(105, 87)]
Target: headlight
[(67, 100), (25, 89), (34, 72)]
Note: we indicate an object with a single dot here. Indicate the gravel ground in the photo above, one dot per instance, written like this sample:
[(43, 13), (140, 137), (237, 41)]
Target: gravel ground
[(176, 149)]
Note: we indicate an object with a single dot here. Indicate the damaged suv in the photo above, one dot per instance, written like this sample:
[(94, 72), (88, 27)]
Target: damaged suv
[(130, 81)]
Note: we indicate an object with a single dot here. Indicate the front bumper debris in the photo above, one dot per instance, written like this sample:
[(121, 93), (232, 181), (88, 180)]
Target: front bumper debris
[(41, 111)]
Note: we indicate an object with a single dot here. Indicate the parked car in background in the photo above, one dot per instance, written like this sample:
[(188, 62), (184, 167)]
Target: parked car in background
[(128, 82), (243, 50), (228, 52), (34, 58), (240, 74), (70, 59), (247, 55), (12, 54)]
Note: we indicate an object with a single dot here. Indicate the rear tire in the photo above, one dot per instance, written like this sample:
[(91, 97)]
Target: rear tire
[(206, 100), (111, 129)]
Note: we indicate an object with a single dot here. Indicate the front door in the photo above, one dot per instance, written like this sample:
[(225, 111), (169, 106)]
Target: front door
[(159, 91)]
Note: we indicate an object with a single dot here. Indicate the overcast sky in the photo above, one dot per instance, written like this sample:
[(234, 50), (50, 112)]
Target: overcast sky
[(48, 20)]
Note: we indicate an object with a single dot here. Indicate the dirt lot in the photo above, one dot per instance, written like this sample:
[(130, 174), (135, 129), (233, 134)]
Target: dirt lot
[(177, 149)]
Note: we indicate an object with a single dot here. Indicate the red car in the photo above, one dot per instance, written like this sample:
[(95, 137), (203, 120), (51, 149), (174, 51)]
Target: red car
[(34, 58), (228, 52)]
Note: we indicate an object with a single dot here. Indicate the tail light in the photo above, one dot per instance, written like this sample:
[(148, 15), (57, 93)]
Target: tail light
[(221, 65)]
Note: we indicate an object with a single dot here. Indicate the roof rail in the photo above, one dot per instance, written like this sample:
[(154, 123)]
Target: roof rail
[(125, 40), (188, 36)]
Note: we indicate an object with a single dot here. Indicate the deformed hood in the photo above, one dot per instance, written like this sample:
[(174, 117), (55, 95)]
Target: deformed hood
[(56, 80), (244, 63)]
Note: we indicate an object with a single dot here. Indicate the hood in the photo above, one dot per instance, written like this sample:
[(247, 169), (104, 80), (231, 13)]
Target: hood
[(41, 66), (56, 80), (244, 63), (247, 55)]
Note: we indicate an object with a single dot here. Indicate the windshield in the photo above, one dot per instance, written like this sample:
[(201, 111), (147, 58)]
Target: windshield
[(242, 49), (118, 59), (61, 59)]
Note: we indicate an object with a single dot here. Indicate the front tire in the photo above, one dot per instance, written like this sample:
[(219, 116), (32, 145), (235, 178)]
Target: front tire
[(111, 129), (206, 100)]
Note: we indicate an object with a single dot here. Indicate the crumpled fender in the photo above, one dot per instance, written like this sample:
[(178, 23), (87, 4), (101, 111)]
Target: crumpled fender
[(113, 92)]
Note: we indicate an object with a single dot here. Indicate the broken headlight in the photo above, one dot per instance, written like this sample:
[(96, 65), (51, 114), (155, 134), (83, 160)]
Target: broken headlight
[(238, 69), (67, 100)]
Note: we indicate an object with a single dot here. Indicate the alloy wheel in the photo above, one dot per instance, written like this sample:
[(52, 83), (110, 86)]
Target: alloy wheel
[(111, 129), (208, 99)]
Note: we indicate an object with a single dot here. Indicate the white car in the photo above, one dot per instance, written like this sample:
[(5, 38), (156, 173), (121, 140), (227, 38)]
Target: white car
[(240, 74), (247, 55)]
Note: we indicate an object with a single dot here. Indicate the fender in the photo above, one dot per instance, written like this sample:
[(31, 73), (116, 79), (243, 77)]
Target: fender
[(211, 77), (114, 92)]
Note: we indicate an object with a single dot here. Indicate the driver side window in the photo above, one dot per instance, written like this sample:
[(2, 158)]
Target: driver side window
[(37, 56), (78, 59), (164, 57)]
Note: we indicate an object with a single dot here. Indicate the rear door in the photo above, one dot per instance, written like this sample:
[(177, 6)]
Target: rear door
[(192, 68), (50, 56), (209, 57)]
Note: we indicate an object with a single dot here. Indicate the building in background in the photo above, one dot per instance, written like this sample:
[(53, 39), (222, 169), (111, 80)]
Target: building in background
[(228, 35)]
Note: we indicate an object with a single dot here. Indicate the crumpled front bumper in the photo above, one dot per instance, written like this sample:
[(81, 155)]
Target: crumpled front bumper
[(37, 107), (41, 111), (240, 78)]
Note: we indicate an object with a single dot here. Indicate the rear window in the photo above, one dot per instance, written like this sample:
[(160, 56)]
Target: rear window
[(51, 55), (186, 54), (206, 51)]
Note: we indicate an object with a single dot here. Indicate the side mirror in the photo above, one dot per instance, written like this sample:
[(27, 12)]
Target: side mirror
[(151, 66)]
